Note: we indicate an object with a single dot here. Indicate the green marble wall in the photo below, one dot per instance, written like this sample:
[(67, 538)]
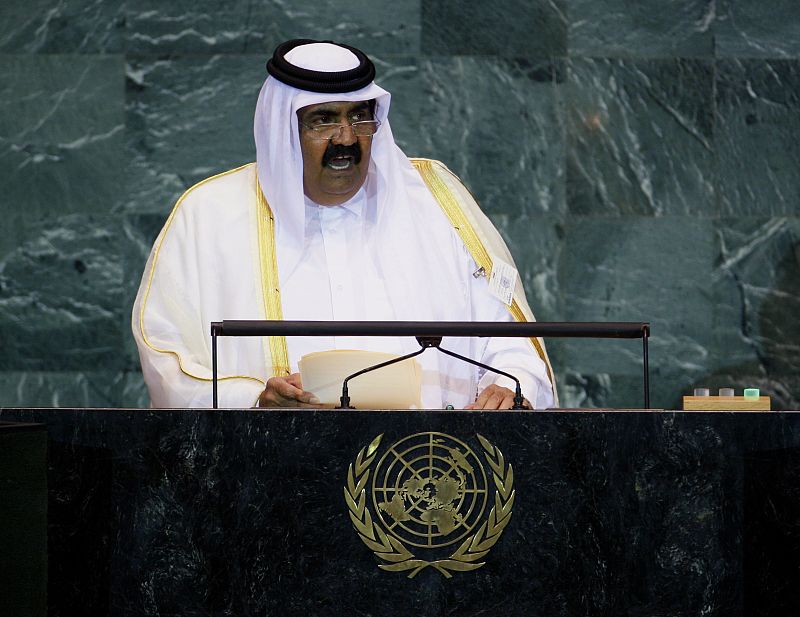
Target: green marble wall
[(640, 157)]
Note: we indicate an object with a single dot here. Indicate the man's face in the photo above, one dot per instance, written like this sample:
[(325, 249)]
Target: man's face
[(334, 169)]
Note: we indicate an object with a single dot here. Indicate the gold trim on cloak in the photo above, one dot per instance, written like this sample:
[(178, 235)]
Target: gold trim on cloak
[(152, 275), (270, 284)]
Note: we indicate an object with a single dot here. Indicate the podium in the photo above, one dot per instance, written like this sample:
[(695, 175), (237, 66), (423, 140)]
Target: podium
[(23, 519), (259, 512)]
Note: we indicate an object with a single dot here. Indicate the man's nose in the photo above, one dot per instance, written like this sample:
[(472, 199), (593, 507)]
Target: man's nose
[(346, 136)]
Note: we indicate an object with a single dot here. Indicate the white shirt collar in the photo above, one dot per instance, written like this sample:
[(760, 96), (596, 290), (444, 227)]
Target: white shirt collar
[(355, 205)]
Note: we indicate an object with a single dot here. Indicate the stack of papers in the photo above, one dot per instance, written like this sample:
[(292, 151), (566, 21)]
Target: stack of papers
[(397, 386)]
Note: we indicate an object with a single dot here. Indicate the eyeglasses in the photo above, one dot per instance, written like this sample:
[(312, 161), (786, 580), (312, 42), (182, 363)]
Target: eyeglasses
[(333, 130)]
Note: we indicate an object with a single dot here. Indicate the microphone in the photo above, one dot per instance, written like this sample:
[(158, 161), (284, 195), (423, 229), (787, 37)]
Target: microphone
[(427, 342)]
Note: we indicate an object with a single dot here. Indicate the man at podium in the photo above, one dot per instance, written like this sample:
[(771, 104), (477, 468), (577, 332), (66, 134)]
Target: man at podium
[(332, 222)]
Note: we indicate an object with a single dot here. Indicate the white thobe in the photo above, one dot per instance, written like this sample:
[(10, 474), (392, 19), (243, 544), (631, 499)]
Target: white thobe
[(337, 280)]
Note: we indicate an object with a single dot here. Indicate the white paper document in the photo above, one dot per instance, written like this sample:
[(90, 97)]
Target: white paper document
[(397, 386)]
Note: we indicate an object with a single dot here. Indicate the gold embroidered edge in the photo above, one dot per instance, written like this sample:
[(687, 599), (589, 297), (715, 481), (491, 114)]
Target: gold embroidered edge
[(470, 238), (270, 284), (151, 275)]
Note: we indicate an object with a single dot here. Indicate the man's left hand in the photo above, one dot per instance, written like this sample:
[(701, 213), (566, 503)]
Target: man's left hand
[(495, 397)]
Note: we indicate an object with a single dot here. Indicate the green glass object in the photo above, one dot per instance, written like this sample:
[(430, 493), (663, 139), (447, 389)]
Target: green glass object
[(751, 394)]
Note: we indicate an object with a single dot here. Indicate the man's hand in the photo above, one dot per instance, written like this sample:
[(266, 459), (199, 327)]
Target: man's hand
[(286, 392), (495, 397)]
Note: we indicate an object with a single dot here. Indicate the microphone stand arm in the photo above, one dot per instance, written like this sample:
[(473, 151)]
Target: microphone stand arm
[(519, 402), (427, 342)]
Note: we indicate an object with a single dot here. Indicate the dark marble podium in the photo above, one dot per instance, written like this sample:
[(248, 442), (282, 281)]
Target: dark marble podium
[(184, 513), (23, 519)]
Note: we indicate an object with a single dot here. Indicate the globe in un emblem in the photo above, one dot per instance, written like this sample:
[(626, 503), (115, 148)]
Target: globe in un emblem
[(429, 490)]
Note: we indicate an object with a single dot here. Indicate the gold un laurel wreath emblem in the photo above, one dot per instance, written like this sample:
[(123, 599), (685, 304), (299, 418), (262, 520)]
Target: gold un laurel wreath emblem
[(429, 494)]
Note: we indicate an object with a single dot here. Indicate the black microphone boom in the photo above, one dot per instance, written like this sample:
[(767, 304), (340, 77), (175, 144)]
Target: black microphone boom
[(426, 342)]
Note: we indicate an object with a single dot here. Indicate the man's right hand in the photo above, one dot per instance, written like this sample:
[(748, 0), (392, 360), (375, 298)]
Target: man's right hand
[(286, 392)]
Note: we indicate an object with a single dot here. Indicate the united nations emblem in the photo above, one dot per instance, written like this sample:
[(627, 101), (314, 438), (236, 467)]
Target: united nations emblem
[(429, 493)]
